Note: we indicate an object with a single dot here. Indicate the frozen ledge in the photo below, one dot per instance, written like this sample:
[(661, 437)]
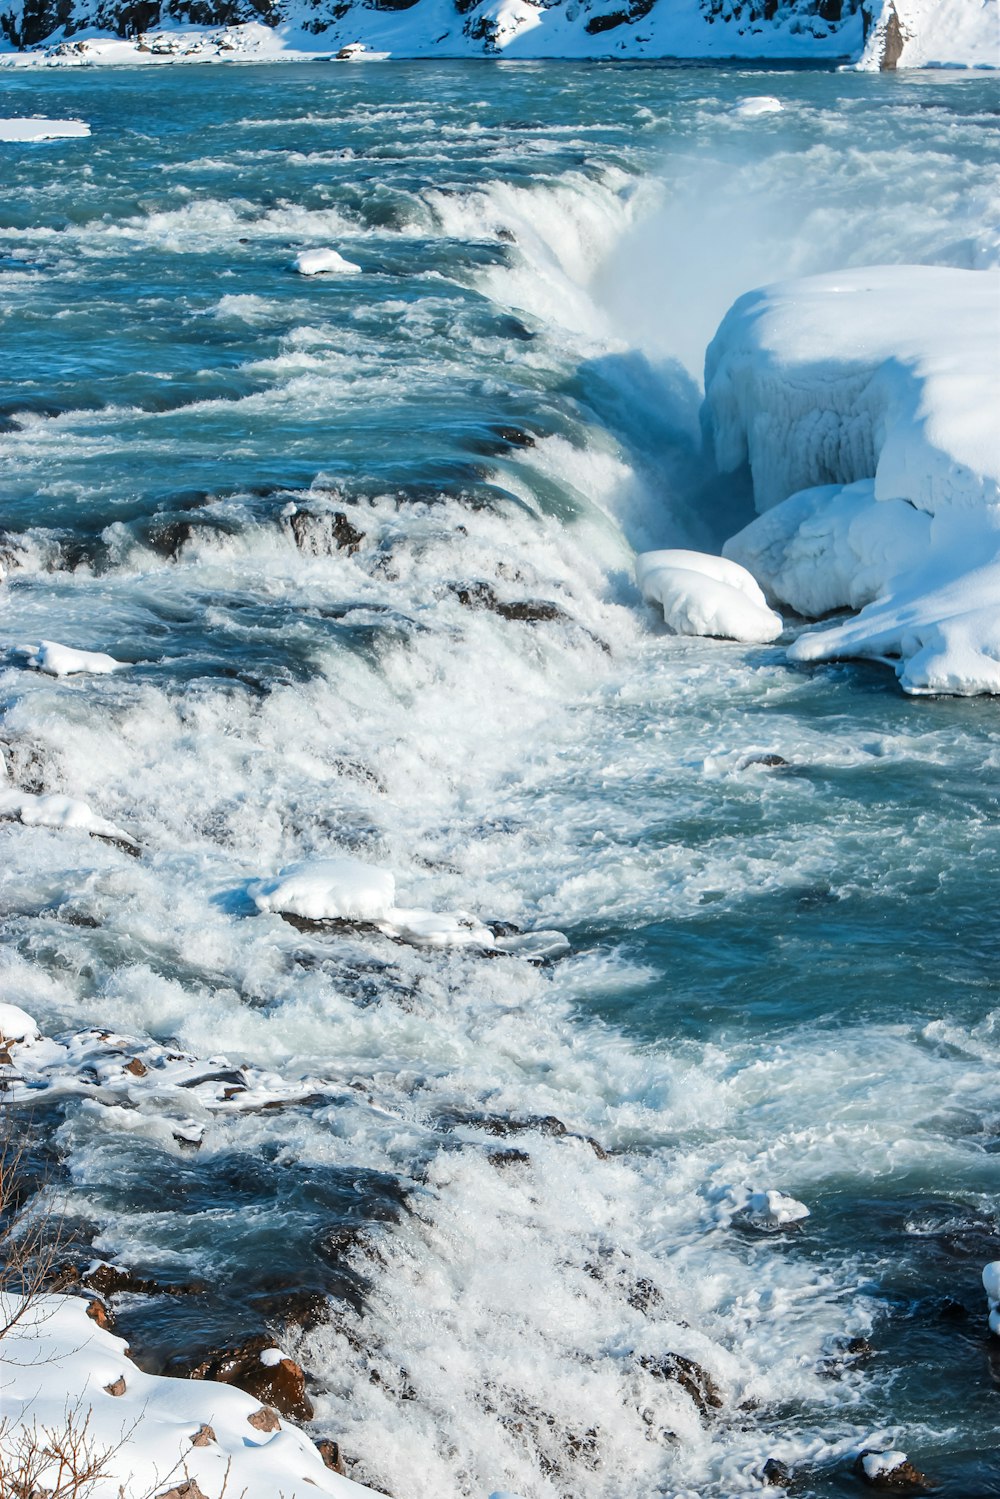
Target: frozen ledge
[(865, 405)]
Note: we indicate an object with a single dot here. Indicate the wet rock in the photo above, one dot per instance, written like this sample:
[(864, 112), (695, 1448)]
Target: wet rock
[(281, 1384), (137, 1067), (643, 1295), (203, 1436), (525, 611), (124, 845), (692, 1378), (332, 1456), (776, 1474), (502, 1159), (322, 534), (264, 1420), (117, 1386), (882, 1471), (303, 1309), (846, 1354), (766, 761)]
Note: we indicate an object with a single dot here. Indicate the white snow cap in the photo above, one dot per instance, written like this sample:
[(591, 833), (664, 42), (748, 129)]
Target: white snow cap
[(324, 262), (63, 660), (705, 595), (878, 1464), (37, 129), (328, 890), (16, 1024), (759, 104), (865, 405), (53, 810), (991, 1284)]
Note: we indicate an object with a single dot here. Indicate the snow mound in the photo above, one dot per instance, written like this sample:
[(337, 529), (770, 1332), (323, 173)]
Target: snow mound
[(865, 406), (880, 1464), (57, 1362), (53, 810), (324, 263), (16, 1024), (704, 595), (37, 129), (759, 104), (63, 660)]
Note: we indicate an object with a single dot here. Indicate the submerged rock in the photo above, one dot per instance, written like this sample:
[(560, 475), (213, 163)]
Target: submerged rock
[(692, 1378)]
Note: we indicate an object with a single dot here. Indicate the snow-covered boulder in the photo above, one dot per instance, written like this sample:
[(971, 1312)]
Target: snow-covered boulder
[(53, 810), (328, 890), (324, 263), (705, 595), (16, 1024), (64, 661), (864, 404)]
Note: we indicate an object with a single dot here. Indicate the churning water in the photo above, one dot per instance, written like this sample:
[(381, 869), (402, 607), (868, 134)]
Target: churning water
[(778, 978)]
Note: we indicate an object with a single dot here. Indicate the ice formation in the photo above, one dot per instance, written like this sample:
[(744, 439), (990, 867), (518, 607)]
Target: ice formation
[(705, 595), (63, 660), (323, 263), (864, 403)]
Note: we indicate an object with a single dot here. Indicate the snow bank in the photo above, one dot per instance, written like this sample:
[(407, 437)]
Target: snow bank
[(865, 406), (36, 129), (348, 890), (324, 262), (932, 33), (704, 595), (63, 661), (57, 1362), (53, 810)]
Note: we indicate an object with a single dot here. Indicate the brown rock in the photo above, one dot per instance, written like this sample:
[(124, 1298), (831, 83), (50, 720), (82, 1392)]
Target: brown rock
[(203, 1436), (187, 1490), (332, 1456), (264, 1420), (98, 1312), (117, 1387), (906, 1479), (137, 1067)]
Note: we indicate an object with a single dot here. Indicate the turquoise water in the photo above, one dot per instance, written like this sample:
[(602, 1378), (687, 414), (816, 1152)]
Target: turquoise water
[(777, 978)]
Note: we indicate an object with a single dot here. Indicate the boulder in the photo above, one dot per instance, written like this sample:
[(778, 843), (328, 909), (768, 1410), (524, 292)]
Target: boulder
[(264, 1372)]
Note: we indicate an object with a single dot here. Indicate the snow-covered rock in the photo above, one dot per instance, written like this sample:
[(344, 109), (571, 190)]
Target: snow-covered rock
[(53, 810), (63, 660), (56, 1365), (864, 404), (758, 104), (705, 595), (762, 1208), (348, 890), (16, 1024), (37, 129), (324, 263), (84, 32)]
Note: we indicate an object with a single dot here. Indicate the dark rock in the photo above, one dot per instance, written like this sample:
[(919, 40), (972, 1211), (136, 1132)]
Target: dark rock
[(322, 534), (776, 1474), (768, 761), (906, 1479), (111, 1280), (501, 1159), (526, 611), (643, 1295), (125, 845), (892, 43), (304, 1309), (692, 1378), (332, 1456), (281, 1385)]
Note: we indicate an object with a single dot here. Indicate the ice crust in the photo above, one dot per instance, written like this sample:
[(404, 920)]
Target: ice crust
[(705, 595), (865, 405)]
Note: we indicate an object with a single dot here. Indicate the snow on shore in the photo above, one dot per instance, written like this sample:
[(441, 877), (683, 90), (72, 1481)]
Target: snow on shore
[(903, 33), (57, 1364), (865, 404)]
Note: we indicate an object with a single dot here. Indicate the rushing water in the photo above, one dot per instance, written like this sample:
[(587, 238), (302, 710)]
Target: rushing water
[(777, 978)]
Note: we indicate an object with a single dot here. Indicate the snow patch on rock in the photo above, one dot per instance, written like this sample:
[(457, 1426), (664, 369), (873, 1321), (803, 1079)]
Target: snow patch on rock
[(705, 595), (64, 661), (324, 263)]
